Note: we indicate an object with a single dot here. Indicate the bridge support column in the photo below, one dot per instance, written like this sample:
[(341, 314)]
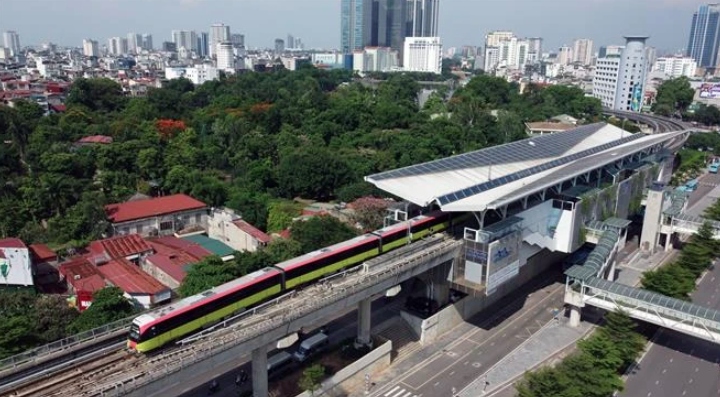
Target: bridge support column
[(364, 323), (574, 315), (259, 372), (611, 271), (669, 242)]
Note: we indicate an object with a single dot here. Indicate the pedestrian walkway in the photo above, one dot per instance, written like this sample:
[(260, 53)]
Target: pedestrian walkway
[(553, 338), (398, 391), (404, 340)]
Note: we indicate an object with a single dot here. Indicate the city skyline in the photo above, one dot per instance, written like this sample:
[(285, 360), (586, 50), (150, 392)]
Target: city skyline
[(461, 22)]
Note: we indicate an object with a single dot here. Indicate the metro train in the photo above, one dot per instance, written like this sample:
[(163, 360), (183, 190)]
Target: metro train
[(159, 327)]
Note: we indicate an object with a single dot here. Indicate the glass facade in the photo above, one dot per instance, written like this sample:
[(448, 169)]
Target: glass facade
[(351, 25), (705, 36)]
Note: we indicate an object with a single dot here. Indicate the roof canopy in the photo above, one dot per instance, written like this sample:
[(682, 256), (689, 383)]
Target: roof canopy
[(492, 177)]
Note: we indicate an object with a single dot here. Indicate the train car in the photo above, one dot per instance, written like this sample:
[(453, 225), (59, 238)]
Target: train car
[(156, 328), (152, 330), (317, 264)]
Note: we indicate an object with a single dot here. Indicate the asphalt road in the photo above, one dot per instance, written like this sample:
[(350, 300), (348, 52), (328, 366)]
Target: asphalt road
[(700, 199), (344, 326), (680, 365), (484, 345)]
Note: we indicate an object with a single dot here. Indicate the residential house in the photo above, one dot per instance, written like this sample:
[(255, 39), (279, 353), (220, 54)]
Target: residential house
[(172, 259), (226, 226), (15, 265), (131, 247), (82, 280), (544, 128), (156, 216), (45, 262), (138, 286)]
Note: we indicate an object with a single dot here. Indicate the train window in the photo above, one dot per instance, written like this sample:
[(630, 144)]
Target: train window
[(134, 333)]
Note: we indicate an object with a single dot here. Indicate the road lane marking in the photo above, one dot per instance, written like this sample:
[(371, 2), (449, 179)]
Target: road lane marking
[(391, 391)]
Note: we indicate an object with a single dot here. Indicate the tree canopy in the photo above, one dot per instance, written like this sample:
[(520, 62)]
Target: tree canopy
[(674, 95)]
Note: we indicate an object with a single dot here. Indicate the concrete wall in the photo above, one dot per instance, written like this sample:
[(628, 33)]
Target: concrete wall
[(159, 275), (352, 377)]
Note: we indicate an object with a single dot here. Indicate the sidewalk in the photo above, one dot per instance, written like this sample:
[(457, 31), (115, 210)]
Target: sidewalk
[(554, 338)]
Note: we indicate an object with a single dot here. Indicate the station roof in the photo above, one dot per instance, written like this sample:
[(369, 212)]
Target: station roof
[(498, 175)]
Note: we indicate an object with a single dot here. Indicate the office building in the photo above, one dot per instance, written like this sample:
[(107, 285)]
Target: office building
[(225, 56), (90, 48), (147, 41), (422, 54), (352, 25), (169, 46), (117, 46), (705, 36), (203, 44), (582, 52), (219, 33), (279, 46), (619, 80), (386, 24), (12, 42), (675, 66), (422, 18), (290, 42)]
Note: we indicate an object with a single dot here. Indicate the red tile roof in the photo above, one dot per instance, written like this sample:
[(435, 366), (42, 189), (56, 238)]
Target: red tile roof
[(171, 244), (119, 247), (12, 243), (129, 278), (82, 275), (140, 209), (96, 139), (42, 252), (256, 233), (173, 264)]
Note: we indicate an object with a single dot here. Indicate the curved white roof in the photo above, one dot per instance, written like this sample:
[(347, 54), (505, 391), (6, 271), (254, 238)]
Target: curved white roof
[(493, 176)]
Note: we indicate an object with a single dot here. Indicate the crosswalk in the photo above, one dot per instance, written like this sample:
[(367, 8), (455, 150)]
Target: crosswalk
[(398, 391)]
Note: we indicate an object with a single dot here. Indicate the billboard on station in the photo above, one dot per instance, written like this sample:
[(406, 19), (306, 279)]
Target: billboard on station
[(503, 261), (710, 91)]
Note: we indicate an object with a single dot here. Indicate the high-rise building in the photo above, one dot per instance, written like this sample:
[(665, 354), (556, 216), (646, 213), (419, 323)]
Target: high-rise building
[(375, 59), (492, 58), (386, 24), (705, 36), (422, 18), (185, 39), (135, 43), (422, 54), (147, 42), (169, 46), (12, 42), (494, 38), (564, 55), (290, 41), (650, 56), (352, 25), (117, 46), (238, 40), (225, 56), (619, 80), (90, 48), (279, 46), (534, 49), (676, 66), (582, 51), (203, 44), (219, 33)]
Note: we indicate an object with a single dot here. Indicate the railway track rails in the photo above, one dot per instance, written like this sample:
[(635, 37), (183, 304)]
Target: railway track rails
[(95, 372)]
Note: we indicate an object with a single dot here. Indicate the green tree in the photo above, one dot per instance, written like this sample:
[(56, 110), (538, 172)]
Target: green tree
[(674, 95), (672, 280), (311, 378), (547, 382), (108, 305), (320, 231), (620, 329), (312, 172), (206, 274), (281, 214), (52, 317), (98, 95)]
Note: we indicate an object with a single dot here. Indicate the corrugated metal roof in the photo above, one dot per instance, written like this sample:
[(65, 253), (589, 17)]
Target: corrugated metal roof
[(216, 247), (140, 209), (130, 278)]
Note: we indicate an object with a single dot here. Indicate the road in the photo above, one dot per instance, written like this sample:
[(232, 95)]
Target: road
[(342, 327), (487, 343), (676, 364), (679, 365)]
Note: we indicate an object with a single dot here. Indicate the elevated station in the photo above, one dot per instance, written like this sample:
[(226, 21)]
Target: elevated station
[(547, 194)]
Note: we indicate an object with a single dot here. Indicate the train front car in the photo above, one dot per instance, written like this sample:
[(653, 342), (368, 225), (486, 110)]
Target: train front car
[(179, 319)]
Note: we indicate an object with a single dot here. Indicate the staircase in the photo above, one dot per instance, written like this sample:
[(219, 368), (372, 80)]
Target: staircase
[(553, 220), (404, 340)]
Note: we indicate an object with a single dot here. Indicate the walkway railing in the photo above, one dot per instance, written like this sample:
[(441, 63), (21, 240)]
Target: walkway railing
[(301, 305), (70, 342)]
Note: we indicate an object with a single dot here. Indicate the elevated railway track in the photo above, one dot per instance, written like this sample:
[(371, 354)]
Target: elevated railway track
[(76, 371)]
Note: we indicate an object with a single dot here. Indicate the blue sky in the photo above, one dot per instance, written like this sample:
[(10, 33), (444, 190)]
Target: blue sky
[(317, 22)]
